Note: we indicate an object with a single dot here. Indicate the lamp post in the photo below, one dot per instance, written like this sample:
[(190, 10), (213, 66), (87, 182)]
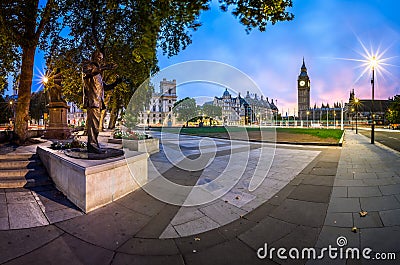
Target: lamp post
[(373, 64), (334, 118), (307, 117), (356, 101), (352, 116), (148, 119)]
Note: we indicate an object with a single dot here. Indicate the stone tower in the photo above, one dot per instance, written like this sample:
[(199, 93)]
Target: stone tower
[(303, 93)]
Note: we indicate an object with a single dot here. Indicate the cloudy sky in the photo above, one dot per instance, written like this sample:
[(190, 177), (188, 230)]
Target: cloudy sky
[(329, 34)]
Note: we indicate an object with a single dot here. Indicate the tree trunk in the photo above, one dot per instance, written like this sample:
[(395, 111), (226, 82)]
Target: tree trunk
[(24, 93), (113, 117)]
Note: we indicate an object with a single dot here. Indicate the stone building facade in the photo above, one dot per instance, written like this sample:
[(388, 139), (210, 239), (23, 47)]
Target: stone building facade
[(159, 111)]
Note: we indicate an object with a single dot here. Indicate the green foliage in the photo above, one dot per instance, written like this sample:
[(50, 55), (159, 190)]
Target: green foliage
[(212, 111), (6, 109), (186, 109), (256, 14), (393, 113), (38, 105)]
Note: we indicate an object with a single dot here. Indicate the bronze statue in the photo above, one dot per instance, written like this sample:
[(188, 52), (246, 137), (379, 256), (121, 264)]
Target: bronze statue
[(93, 97), (54, 91)]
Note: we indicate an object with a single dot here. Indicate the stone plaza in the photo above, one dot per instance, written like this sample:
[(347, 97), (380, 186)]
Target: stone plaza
[(308, 197)]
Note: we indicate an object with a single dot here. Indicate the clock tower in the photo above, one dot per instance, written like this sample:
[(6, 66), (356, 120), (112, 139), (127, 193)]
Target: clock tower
[(303, 93)]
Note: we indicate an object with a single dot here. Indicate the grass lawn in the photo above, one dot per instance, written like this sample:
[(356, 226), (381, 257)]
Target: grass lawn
[(335, 134)]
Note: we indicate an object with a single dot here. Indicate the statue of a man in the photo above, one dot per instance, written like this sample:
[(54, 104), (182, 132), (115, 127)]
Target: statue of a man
[(93, 98), (54, 91)]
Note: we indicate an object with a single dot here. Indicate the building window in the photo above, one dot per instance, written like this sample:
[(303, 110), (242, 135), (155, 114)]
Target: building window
[(169, 101), (154, 121), (154, 115), (169, 108), (159, 121)]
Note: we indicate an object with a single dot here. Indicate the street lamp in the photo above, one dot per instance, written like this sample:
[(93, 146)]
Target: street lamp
[(334, 118), (373, 63), (352, 125), (356, 101), (307, 117), (148, 119)]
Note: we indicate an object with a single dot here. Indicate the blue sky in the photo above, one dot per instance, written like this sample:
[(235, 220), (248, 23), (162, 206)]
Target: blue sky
[(322, 31)]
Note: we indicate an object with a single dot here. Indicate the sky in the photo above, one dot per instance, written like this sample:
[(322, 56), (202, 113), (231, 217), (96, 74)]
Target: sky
[(331, 35)]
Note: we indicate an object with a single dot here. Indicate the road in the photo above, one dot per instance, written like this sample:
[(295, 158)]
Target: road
[(390, 138)]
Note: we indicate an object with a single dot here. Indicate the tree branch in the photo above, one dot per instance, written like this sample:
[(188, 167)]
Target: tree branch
[(45, 18)]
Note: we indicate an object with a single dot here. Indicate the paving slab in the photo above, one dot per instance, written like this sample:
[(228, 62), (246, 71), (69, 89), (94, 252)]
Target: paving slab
[(390, 217), (364, 192), (199, 242), (340, 192), (318, 180), (344, 205), (268, 231), (330, 234), (122, 258), (222, 212), (380, 203), (382, 239), (339, 219), (16, 243), (232, 252), (301, 212), (25, 215), (4, 223), (311, 193), (390, 189), (196, 226), (20, 197), (70, 250), (372, 219), (108, 227), (149, 247), (158, 223)]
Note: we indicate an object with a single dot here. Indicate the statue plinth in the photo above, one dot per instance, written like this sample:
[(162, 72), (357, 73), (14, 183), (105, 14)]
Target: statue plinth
[(58, 125)]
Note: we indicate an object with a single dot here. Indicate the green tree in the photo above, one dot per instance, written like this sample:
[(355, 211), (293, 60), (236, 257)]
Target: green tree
[(6, 109), (37, 106), (24, 25), (212, 111), (393, 112), (186, 109)]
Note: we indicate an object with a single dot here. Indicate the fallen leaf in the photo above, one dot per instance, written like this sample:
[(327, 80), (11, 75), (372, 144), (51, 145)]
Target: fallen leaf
[(363, 213), (197, 239), (237, 197), (194, 251), (354, 229)]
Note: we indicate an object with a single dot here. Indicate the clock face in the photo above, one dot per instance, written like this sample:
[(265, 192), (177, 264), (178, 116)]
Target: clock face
[(302, 83)]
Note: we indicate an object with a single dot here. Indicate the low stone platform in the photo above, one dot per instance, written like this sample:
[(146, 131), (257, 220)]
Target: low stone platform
[(90, 184), (150, 145)]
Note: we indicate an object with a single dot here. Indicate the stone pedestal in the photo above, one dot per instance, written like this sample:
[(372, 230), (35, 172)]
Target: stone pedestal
[(90, 184), (58, 125)]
